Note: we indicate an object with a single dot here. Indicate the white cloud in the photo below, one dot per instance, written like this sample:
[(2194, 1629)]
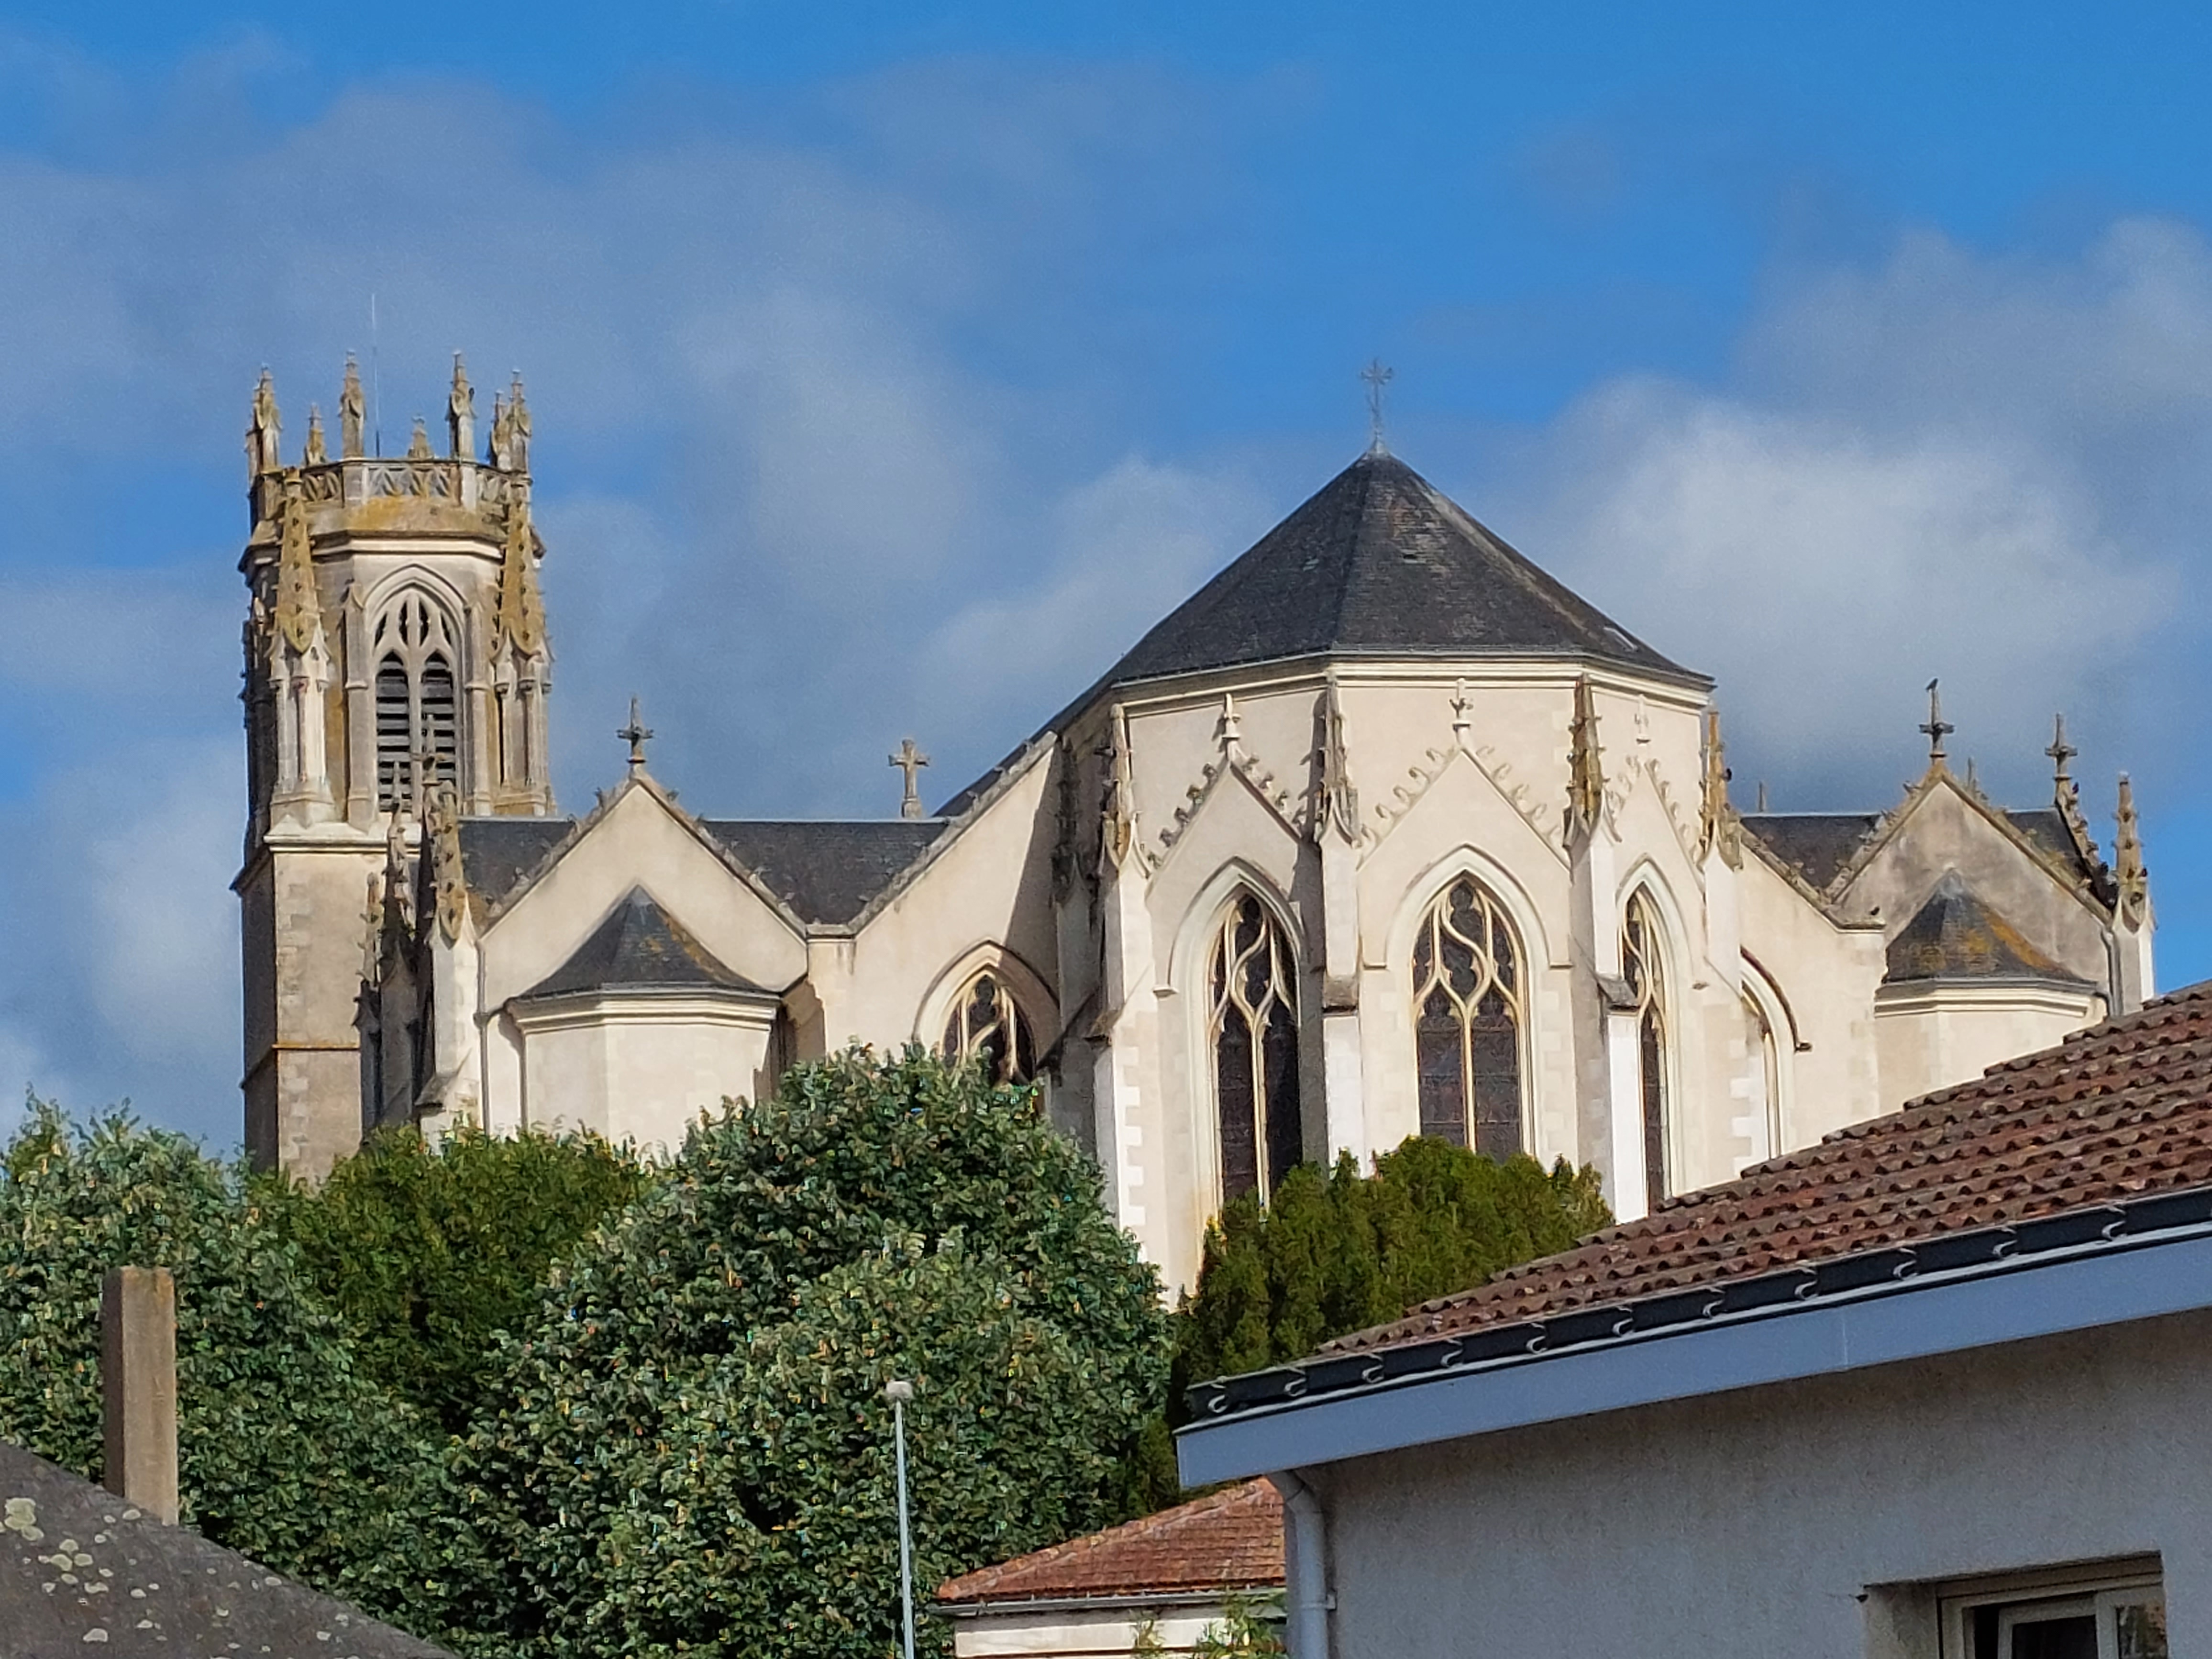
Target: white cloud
[(1978, 468)]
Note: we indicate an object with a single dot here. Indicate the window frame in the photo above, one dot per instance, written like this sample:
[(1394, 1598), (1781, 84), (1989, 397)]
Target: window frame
[(2099, 1590), (1020, 1027), (436, 639), (1285, 971), (1653, 1003)]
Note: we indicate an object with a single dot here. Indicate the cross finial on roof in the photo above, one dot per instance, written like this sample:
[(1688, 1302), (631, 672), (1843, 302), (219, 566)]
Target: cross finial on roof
[(1377, 374), (2060, 751), (911, 760), (635, 735), (1937, 728)]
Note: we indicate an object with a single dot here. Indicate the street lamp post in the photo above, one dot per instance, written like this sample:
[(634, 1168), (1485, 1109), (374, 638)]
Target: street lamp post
[(898, 1393)]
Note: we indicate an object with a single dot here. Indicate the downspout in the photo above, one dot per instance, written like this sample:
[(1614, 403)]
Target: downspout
[(1305, 1556)]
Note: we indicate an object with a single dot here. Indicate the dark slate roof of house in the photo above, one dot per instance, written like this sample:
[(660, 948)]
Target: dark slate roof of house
[(1956, 935), (2047, 831), (1379, 561), (827, 871), (640, 947), (1228, 1541), (82, 1572), (2121, 1111), (496, 853), (1816, 845)]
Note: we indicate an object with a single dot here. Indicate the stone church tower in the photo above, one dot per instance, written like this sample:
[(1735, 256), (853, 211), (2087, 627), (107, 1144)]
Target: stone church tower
[(396, 657)]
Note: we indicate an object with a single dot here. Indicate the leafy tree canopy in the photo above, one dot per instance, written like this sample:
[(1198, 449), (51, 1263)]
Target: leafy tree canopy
[(429, 1251), (286, 1450), (690, 1451), (1337, 1251)]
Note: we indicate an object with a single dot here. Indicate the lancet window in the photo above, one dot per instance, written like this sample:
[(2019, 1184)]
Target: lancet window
[(418, 701), (1253, 1029), (987, 1024), (1763, 1064), (1469, 1012), (1642, 964)]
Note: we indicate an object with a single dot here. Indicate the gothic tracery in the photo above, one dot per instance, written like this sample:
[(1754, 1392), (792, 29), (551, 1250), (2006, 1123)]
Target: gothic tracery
[(1468, 1018), (1253, 1034)]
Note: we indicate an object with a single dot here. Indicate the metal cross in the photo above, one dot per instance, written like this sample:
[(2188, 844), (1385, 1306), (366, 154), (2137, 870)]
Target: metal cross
[(634, 734), (1937, 728), (2061, 751), (911, 760), (1377, 375)]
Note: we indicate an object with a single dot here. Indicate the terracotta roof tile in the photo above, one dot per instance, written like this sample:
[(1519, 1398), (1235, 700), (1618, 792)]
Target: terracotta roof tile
[(1229, 1540), (2122, 1110)]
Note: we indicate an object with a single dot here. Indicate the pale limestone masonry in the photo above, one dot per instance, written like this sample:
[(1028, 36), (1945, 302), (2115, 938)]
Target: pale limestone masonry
[(1378, 711)]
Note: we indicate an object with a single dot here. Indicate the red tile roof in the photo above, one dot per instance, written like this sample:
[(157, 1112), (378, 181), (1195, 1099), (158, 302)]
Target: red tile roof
[(2123, 1109), (1230, 1540)]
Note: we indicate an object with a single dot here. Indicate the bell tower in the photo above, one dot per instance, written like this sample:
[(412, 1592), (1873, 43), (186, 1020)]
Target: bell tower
[(396, 653)]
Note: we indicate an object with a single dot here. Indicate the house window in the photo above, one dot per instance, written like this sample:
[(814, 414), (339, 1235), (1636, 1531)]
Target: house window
[(1763, 1065), (2119, 1616), (1642, 965), (987, 1025), (1468, 1021), (1253, 1029), (417, 704)]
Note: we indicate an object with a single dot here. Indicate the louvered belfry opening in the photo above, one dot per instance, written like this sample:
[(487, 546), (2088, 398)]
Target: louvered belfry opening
[(1468, 1021), (417, 703), (1253, 1028)]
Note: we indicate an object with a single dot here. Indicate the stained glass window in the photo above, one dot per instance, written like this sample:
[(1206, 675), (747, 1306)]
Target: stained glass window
[(1468, 1017), (1642, 965), (987, 1022), (1254, 1027)]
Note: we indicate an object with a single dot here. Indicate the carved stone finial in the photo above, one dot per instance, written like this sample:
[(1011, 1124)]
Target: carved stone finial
[(502, 452), (418, 442), (1937, 728), (1117, 806), (1585, 764), (2130, 876), (299, 614), (1336, 805), (1462, 707), (316, 455), (2066, 795), (1377, 374), (1231, 728), (264, 445), (441, 846), (911, 760), (461, 414), (1719, 825), (521, 616), (351, 411), (518, 426), (635, 734)]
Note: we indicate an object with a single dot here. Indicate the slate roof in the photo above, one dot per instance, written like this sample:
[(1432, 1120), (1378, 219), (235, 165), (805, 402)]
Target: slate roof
[(827, 871), (198, 1598), (1816, 845), (1955, 935), (496, 853), (2121, 1110), (1228, 1541), (639, 947), (1381, 561), (2047, 829)]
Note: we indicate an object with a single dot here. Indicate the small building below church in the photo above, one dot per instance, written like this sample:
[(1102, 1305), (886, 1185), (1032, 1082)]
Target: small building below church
[(1383, 832), (1934, 1389)]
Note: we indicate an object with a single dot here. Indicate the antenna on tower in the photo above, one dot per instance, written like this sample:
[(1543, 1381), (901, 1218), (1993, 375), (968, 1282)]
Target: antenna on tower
[(375, 378)]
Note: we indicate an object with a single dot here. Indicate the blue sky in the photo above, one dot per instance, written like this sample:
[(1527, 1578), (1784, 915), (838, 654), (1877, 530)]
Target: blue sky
[(893, 366)]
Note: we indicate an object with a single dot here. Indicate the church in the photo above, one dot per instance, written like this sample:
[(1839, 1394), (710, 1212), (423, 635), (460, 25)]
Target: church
[(1383, 832)]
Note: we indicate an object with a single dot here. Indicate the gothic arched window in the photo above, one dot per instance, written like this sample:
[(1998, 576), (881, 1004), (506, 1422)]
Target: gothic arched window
[(987, 1023), (1642, 965), (1253, 1029), (1765, 1068), (417, 703), (1468, 1015)]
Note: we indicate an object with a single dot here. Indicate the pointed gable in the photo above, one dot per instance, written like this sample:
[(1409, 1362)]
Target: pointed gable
[(1381, 562)]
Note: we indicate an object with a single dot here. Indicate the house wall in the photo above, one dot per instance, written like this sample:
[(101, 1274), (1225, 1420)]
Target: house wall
[(1931, 1035), (640, 1069), (1109, 1631), (1778, 1520)]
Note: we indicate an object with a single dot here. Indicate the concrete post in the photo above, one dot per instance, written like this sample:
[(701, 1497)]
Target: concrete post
[(138, 1387)]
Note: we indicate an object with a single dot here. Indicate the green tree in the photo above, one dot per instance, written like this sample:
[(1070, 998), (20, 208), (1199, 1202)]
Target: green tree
[(287, 1451), (429, 1252), (690, 1451), (1337, 1251)]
